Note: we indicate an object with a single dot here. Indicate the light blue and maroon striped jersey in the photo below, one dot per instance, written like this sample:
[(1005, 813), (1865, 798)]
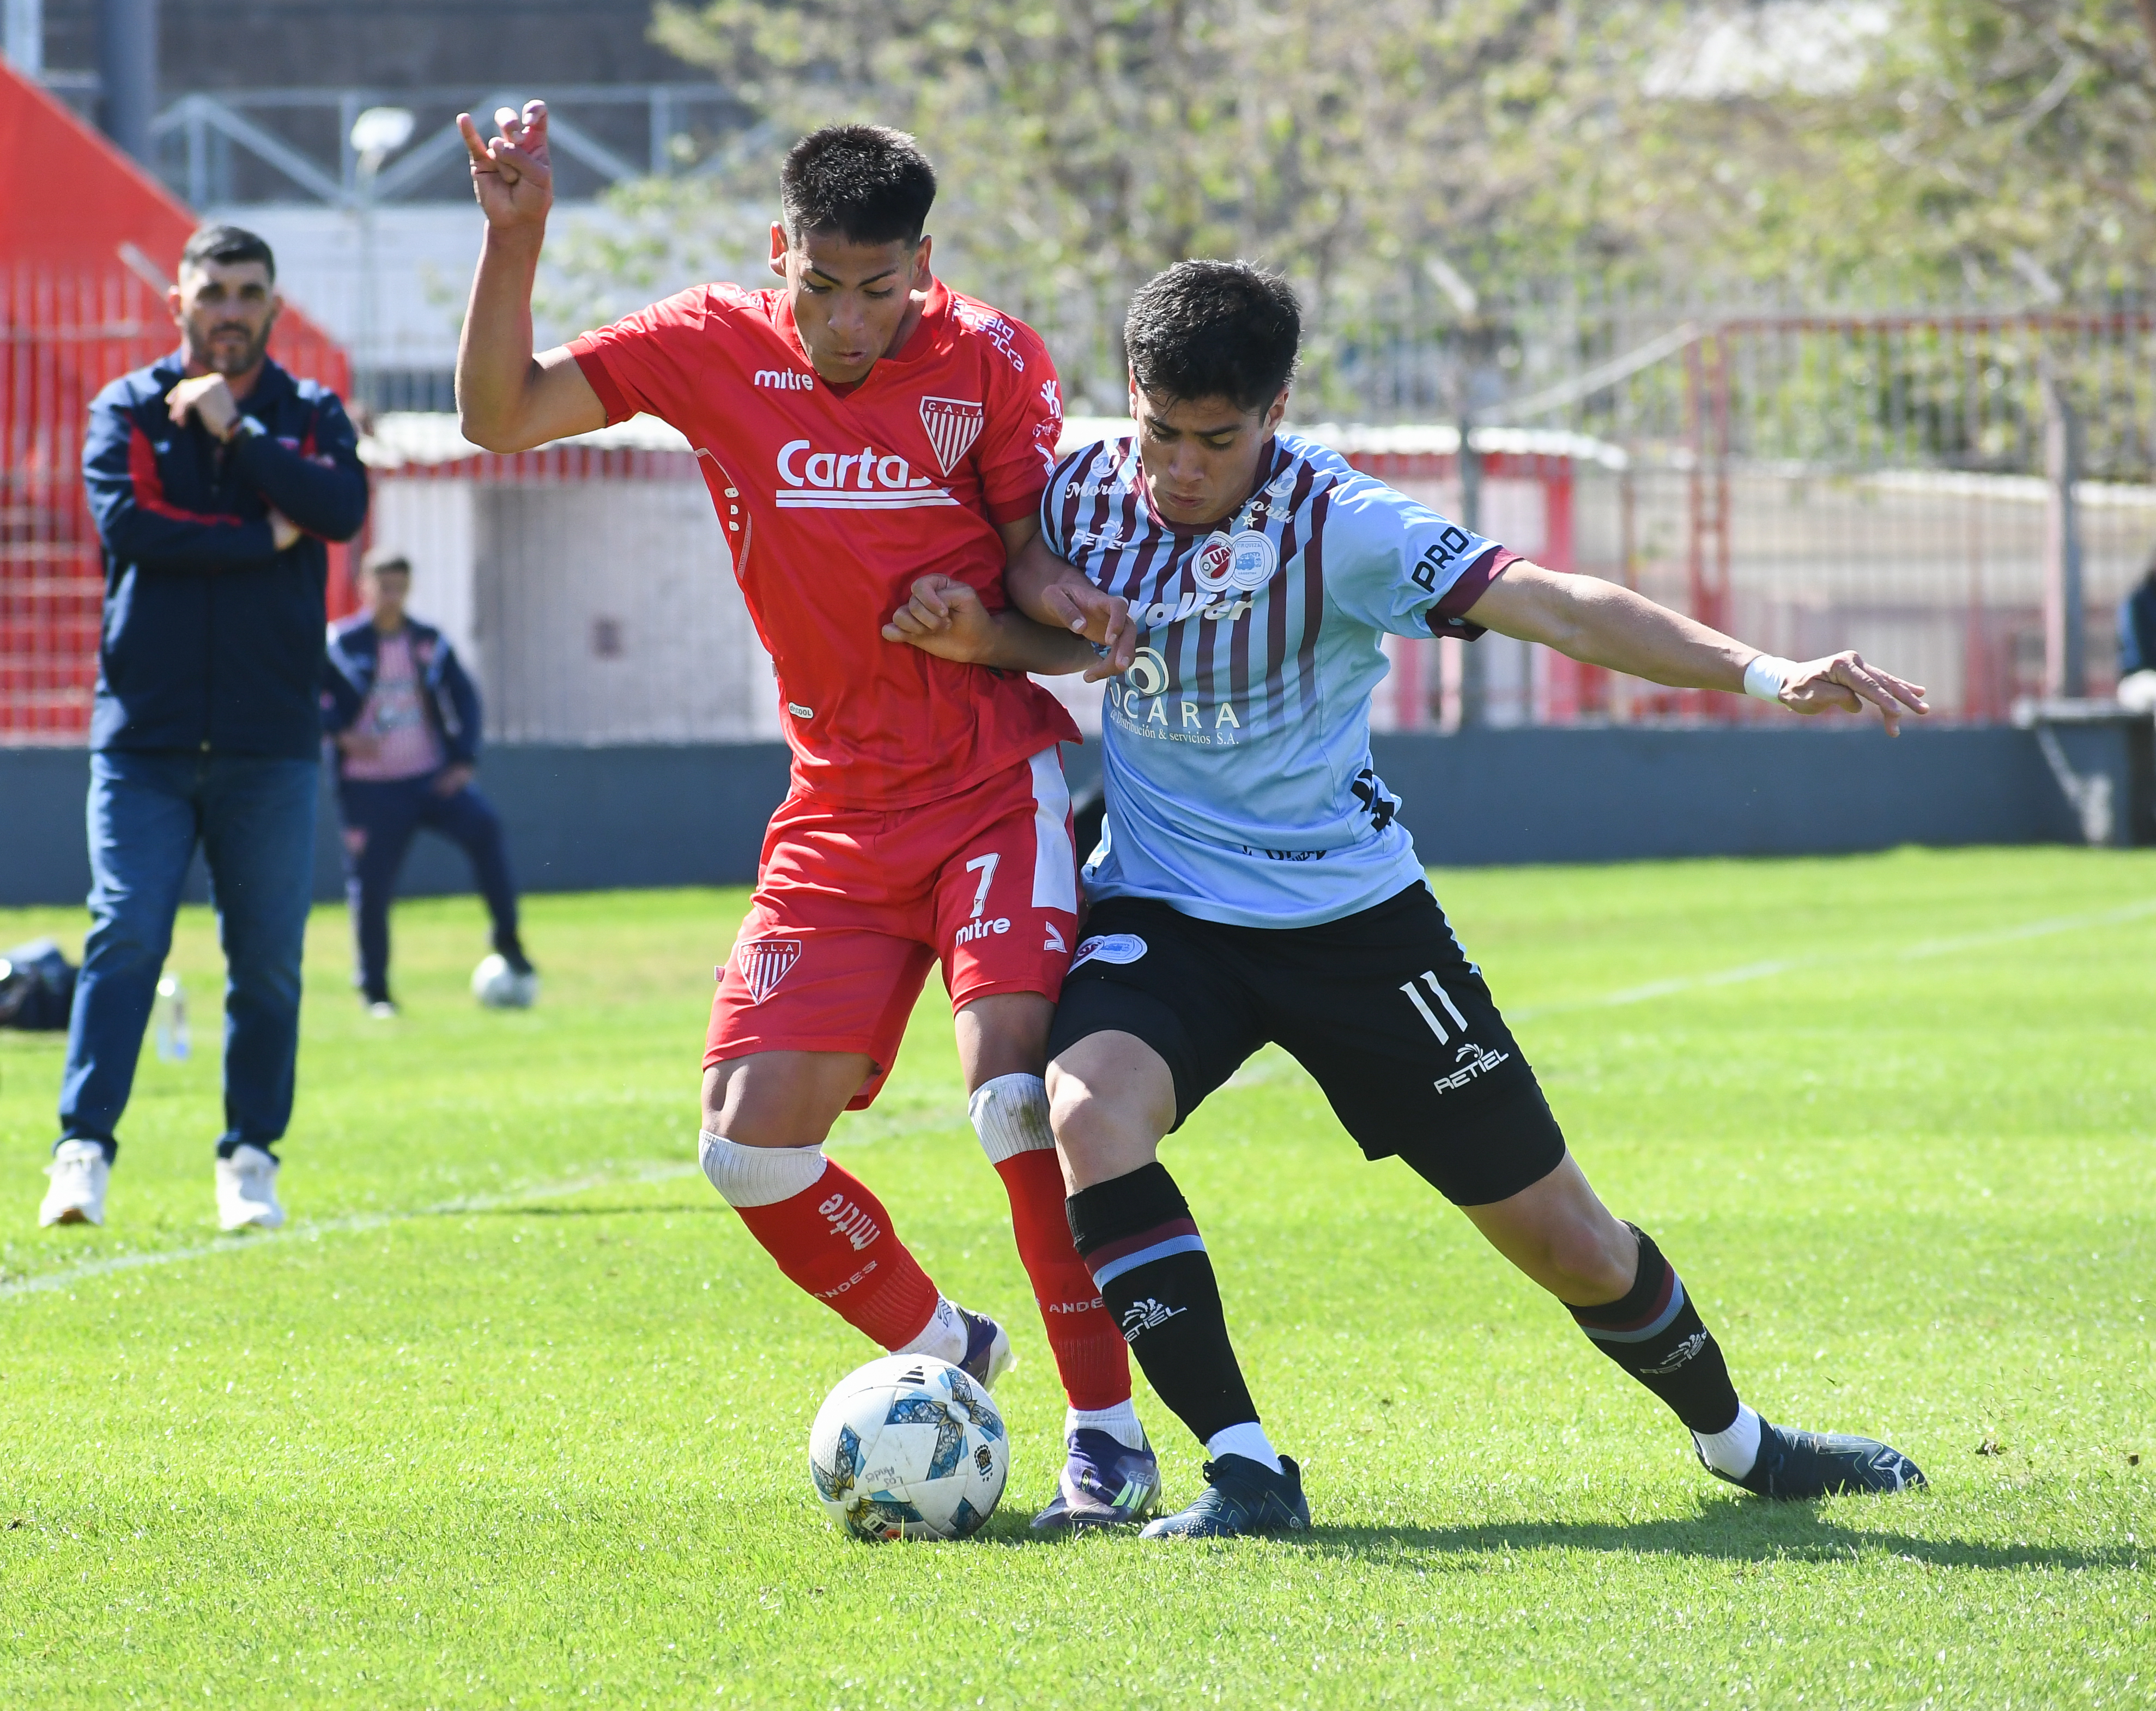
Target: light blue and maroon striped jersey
[(1237, 747)]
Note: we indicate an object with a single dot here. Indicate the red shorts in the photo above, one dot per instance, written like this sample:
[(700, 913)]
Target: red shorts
[(853, 904)]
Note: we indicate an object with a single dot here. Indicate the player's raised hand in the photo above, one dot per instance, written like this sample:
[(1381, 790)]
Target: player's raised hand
[(512, 173), (1843, 680), (1102, 618), (944, 616)]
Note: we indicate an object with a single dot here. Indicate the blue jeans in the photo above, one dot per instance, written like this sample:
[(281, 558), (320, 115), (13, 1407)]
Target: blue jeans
[(255, 818), (380, 818)]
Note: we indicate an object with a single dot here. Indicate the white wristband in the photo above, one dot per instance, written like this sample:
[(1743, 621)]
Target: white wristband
[(1766, 675)]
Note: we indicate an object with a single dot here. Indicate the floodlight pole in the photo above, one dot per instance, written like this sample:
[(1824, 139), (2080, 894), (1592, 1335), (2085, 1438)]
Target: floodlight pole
[(2066, 623), (127, 74), (1473, 680), (26, 36), (374, 135), (1479, 385), (363, 362)]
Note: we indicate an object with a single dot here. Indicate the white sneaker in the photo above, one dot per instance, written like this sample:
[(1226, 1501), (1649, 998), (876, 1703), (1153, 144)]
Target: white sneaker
[(79, 1173), (247, 1189)]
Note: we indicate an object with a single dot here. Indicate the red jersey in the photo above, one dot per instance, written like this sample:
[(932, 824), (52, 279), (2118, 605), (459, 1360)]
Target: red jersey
[(834, 506)]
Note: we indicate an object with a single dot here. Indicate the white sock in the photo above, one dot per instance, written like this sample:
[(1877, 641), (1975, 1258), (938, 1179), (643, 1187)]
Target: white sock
[(1735, 1447), (1248, 1439), (1120, 1422), (943, 1337), (1010, 1114)]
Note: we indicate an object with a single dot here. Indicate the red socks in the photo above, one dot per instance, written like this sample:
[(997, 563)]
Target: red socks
[(834, 1239), (1091, 1356)]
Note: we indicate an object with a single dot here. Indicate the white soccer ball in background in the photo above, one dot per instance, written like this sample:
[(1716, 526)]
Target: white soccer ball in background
[(909, 1447), (499, 986)]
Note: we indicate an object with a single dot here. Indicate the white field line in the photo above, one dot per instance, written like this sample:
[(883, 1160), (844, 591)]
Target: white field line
[(1251, 1075), (1918, 952), (314, 1230)]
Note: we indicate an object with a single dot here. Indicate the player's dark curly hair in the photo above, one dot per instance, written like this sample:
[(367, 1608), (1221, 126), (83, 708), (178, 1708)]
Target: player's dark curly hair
[(869, 184), (1213, 330)]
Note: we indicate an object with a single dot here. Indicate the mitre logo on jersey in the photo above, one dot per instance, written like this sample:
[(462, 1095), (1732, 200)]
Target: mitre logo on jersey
[(764, 963), (953, 424)]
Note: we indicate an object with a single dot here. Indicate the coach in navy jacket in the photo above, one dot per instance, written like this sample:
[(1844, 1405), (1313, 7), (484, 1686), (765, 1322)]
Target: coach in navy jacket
[(213, 632), (216, 478)]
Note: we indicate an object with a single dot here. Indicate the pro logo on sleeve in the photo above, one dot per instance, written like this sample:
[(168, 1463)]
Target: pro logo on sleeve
[(1109, 947), (764, 963)]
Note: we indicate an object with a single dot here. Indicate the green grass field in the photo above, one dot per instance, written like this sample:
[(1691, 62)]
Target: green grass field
[(514, 1413)]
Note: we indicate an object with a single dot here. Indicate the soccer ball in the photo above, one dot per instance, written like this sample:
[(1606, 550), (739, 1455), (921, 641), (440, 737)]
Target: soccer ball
[(908, 1447), (499, 986)]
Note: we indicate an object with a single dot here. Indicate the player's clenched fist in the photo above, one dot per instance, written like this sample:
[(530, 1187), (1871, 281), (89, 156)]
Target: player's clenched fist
[(945, 617), (512, 173)]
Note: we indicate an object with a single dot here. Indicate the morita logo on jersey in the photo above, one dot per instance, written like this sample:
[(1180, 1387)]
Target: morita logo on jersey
[(785, 380), (953, 424), (865, 480)]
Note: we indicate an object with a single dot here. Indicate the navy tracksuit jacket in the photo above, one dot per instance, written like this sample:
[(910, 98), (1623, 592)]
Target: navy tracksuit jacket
[(213, 638)]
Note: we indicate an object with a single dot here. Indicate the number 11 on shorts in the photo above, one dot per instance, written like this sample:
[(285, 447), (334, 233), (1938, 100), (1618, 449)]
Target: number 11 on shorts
[(1429, 1016), (986, 865)]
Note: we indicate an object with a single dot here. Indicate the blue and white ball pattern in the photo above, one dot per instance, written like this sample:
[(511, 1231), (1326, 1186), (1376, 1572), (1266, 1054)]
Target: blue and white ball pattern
[(909, 1447)]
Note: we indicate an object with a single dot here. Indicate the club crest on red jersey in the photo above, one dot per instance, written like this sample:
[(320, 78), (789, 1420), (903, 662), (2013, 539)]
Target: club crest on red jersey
[(953, 424), (764, 963)]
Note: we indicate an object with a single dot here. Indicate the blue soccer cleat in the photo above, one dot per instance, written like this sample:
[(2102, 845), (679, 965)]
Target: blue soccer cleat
[(1805, 1464), (1242, 1497), (988, 1348), (1105, 1483)]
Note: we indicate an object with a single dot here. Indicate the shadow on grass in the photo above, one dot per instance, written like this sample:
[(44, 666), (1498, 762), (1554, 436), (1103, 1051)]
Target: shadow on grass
[(1728, 1532)]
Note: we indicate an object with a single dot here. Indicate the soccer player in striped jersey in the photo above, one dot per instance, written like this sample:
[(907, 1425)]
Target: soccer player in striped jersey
[(859, 426), (1255, 881)]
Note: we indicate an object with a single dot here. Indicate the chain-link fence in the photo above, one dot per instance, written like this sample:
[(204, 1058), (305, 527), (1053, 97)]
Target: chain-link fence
[(1925, 486), (63, 337)]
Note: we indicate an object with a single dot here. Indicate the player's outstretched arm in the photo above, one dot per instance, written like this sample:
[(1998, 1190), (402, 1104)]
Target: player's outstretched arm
[(1052, 592), (509, 400), (1603, 624), (946, 616)]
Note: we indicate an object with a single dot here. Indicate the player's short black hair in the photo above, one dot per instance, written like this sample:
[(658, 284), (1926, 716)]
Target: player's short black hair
[(384, 558), (1213, 330), (866, 183), (228, 245)]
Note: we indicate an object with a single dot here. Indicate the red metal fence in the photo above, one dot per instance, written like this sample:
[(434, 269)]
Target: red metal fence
[(62, 338)]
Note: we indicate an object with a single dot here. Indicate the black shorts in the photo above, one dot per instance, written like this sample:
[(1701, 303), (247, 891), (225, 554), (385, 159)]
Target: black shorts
[(1381, 1007)]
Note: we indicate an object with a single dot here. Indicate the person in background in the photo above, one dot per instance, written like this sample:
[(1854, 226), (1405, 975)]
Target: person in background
[(216, 478), (2137, 643), (405, 721)]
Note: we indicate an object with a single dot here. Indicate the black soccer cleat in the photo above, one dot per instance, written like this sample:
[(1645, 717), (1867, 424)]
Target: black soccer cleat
[(1242, 1497), (1807, 1464)]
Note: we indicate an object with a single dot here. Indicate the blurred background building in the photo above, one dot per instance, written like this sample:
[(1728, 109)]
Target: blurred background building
[(1827, 320)]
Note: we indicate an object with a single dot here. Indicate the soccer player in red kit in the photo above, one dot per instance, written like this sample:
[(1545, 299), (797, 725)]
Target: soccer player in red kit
[(860, 428)]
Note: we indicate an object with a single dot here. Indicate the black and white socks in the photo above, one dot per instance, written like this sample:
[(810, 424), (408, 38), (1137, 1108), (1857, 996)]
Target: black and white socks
[(1654, 1333), (1136, 1237)]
